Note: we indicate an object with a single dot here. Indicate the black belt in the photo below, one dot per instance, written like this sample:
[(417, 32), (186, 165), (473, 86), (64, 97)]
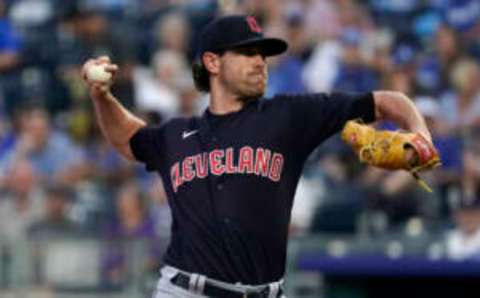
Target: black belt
[(213, 291)]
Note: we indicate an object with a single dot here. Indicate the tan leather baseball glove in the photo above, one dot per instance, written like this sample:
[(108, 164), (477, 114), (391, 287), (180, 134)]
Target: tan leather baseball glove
[(392, 150)]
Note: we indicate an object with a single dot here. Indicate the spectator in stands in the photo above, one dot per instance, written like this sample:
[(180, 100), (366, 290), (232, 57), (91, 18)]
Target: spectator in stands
[(132, 222), (132, 216), (159, 90), (322, 71), (342, 201), (55, 221), (89, 33), (51, 152), (463, 242), (172, 32), (448, 177), (10, 44), (162, 87), (22, 203), (285, 72), (395, 14), (159, 210), (401, 73), (322, 19), (190, 101), (10, 60), (321, 67), (471, 161), (441, 51), (462, 16), (461, 105), (354, 75), (8, 131), (446, 51)]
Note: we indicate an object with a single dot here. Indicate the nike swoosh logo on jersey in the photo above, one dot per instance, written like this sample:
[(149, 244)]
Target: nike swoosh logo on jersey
[(187, 134)]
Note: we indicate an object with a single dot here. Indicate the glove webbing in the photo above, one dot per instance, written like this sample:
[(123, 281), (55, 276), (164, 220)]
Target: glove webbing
[(414, 171)]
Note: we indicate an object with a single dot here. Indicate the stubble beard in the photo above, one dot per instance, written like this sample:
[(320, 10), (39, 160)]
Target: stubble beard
[(252, 90), (248, 89), (251, 95)]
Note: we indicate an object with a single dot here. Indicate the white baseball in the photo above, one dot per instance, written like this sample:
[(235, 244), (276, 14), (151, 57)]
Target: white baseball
[(98, 73)]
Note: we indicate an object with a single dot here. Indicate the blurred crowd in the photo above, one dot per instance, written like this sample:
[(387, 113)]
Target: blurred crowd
[(59, 176)]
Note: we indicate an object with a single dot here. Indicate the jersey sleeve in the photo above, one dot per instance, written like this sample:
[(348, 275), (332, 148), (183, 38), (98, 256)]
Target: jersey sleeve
[(148, 145), (315, 117)]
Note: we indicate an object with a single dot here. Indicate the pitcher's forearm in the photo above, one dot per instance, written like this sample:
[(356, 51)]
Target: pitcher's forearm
[(400, 109), (117, 124)]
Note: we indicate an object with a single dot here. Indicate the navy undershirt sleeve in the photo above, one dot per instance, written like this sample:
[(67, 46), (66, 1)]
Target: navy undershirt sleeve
[(147, 146)]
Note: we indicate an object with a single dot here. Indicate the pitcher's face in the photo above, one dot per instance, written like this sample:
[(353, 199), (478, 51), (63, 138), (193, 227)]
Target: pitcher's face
[(244, 72)]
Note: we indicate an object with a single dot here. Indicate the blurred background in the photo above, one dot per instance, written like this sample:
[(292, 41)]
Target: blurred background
[(76, 220)]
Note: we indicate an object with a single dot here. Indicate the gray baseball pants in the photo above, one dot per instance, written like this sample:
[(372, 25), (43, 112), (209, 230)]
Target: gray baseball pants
[(166, 289)]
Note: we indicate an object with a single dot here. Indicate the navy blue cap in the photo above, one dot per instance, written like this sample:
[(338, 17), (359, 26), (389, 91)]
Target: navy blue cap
[(234, 31)]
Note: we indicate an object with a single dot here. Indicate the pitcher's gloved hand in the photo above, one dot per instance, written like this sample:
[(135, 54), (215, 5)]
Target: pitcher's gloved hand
[(392, 150)]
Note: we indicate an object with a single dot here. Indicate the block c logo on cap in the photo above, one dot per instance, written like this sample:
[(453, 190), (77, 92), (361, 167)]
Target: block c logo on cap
[(252, 23)]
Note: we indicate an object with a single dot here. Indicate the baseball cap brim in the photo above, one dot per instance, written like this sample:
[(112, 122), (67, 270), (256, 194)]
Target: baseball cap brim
[(268, 46)]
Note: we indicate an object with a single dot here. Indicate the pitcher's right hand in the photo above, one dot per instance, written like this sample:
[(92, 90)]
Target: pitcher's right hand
[(99, 89)]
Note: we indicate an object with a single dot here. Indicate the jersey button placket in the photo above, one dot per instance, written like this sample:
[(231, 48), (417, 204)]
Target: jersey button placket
[(220, 183), (220, 180)]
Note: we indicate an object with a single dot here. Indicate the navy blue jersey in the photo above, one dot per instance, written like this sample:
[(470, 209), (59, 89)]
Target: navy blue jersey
[(231, 179)]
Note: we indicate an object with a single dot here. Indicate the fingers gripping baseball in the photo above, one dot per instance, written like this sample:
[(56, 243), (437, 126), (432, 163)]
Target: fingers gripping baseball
[(98, 74)]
